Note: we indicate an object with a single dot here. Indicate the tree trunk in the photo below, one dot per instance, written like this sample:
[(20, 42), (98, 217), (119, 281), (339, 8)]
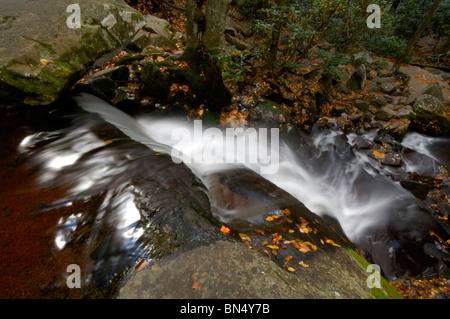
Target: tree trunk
[(216, 18), (205, 34), (415, 37)]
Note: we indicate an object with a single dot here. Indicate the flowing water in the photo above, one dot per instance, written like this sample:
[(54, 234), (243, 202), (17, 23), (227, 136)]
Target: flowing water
[(90, 167)]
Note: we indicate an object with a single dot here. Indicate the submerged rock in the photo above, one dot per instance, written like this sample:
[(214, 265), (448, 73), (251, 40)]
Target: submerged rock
[(46, 45)]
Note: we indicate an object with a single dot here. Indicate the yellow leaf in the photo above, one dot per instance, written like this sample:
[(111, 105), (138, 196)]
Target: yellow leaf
[(225, 230), (290, 231), (303, 264), (329, 241), (274, 251), (45, 61), (269, 218), (244, 236), (107, 142), (291, 269), (160, 58), (273, 246)]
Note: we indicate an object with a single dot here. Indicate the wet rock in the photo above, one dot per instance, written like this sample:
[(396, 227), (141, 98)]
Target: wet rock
[(418, 189), (363, 143), (38, 63), (397, 128)]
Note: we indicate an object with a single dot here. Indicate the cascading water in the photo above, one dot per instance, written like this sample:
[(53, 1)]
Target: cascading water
[(325, 174)]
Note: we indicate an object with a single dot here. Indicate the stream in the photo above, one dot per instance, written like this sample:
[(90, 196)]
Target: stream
[(96, 187)]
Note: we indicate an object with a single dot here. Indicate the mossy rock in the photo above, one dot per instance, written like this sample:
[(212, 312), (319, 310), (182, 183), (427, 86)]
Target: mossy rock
[(41, 62)]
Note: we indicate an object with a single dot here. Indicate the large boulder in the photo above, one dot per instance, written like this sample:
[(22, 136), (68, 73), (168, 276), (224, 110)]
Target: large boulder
[(45, 45), (430, 115)]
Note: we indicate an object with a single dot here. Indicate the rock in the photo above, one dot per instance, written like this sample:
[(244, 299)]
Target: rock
[(435, 90), (229, 270), (404, 113), (362, 105), (362, 143), (431, 115), (240, 45), (385, 113), (388, 87), (358, 80), (43, 49), (140, 41), (397, 128), (379, 101), (163, 42), (154, 82), (158, 26), (418, 189)]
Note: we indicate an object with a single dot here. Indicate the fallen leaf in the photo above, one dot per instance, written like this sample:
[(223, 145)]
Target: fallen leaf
[(195, 285), (266, 252), (141, 265), (269, 218), (264, 243), (259, 231), (107, 142), (45, 61), (303, 264), (225, 230), (273, 246), (244, 237), (291, 269), (329, 241), (160, 58), (288, 258), (290, 231)]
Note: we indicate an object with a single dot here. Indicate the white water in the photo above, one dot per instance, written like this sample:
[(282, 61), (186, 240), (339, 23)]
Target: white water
[(340, 187)]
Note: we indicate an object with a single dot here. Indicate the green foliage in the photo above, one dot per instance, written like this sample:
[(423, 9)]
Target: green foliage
[(234, 64), (331, 62)]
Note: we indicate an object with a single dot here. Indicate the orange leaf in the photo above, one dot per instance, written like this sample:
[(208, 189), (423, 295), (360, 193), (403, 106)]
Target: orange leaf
[(303, 264), (225, 230), (264, 243), (107, 142), (259, 231), (269, 218), (141, 265), (244, 237), (195, 285), (329, 241)]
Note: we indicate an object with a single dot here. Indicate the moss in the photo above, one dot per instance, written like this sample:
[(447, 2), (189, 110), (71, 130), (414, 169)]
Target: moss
[(387, 291)]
